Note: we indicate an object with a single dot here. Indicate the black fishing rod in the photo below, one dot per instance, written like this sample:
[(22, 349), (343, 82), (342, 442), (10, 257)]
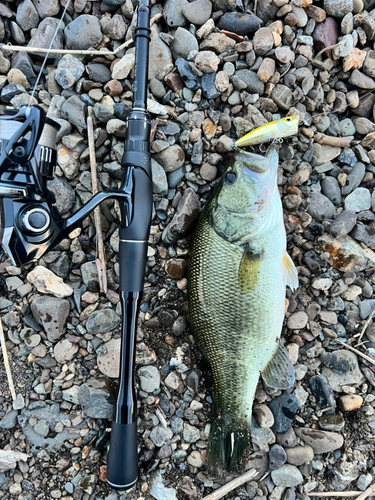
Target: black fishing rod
[(30, 226), (122, 468)]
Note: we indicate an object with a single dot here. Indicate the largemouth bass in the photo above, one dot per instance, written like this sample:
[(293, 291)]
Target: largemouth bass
[(278, 129), (239, 270)]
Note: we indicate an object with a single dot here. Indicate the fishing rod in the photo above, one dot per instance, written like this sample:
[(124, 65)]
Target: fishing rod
[(30, 225)]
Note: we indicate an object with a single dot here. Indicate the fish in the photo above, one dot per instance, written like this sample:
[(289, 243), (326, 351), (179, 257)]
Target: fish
[(273, 130), (238, 272)]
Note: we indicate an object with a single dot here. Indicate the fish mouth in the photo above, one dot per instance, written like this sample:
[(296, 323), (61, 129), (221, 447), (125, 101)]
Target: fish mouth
[(251, 160)]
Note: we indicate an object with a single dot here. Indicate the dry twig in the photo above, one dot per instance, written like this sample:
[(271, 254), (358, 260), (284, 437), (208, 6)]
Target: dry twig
[(100, 261), (368, 321), (330, 47), (18, 48), (364, 356), (367, 493), (232, 485), (329, 140), (6, 362), (361, 495)]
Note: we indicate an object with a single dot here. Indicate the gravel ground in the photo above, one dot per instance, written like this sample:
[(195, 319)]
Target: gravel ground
[(217, 70)]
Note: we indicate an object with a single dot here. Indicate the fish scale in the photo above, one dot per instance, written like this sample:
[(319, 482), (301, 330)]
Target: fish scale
[(236, 318)]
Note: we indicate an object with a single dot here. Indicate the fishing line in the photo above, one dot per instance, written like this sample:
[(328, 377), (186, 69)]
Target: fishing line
[(47, 54)]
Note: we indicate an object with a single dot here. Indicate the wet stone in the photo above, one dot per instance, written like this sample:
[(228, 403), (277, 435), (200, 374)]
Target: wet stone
[(320, 441), (9, 420), (239, 23), (198, 12), (287, 476), (333, 423), (320, 207), (276, 457), (332, 190), (102, 321), (284, 409), (82, 33), (299, 455), (343, 224), (323, 393)]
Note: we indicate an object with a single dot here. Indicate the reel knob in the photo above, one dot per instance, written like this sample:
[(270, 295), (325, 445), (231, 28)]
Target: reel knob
[(35, 220)]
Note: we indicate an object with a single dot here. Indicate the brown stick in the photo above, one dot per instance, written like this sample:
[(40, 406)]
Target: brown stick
[(329, 140), (100, 261), (6, 362), (368, 321), (232, 485), (18, 48), (330, 47), (364, 356)]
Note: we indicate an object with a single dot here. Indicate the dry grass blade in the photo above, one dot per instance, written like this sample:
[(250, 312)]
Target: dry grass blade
[(6, 362), (100, 261), (232, 485)]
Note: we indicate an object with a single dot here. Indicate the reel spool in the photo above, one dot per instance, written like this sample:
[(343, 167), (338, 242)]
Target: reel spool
[(30, 222)]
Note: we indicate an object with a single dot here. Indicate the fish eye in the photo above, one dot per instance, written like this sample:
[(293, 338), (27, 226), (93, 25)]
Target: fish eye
[(288, 119), (231, 177)]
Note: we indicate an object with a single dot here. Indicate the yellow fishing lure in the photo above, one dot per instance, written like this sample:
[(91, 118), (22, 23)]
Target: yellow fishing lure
[(273, 130)]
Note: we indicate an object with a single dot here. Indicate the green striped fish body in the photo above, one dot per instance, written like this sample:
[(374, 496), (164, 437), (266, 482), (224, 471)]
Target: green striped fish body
[(239, 269)]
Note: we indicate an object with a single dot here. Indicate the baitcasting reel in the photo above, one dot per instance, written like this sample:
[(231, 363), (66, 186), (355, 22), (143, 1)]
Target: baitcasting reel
[(30, 222)]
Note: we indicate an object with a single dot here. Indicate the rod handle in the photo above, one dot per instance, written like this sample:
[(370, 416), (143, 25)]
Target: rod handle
[(122, 464)]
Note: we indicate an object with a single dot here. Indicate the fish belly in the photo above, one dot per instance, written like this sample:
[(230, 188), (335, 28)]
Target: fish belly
[(236, 329)]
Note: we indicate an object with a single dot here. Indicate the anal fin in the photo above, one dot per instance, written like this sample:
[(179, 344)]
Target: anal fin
[(290, 272), (279, 372)]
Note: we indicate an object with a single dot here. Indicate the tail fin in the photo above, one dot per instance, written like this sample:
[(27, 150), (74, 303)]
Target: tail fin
[(226, 443)]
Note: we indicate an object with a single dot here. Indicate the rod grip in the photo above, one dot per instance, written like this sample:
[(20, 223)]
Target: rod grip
[(122, 465)]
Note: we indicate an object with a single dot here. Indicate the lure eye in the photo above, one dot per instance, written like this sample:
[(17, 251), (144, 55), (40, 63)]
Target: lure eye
[(231, 177)]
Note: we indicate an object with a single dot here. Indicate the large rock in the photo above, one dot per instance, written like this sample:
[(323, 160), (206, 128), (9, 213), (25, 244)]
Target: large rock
[(198, 12), (352, 377), (171, 158), (160, 62), (46, 281), (173, 12), (187, 212), (345, 254), (27, 16), (52, 314), (97, 398), (320, 441), (82, 33), (69, 71), (74, 110), (183, 43), (44, 35), (47, 8), (102, 321), (109, 358)]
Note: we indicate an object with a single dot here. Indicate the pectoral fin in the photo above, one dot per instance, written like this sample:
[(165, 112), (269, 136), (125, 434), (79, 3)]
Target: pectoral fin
[(279, 373), (290, 272), (248, 273)]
